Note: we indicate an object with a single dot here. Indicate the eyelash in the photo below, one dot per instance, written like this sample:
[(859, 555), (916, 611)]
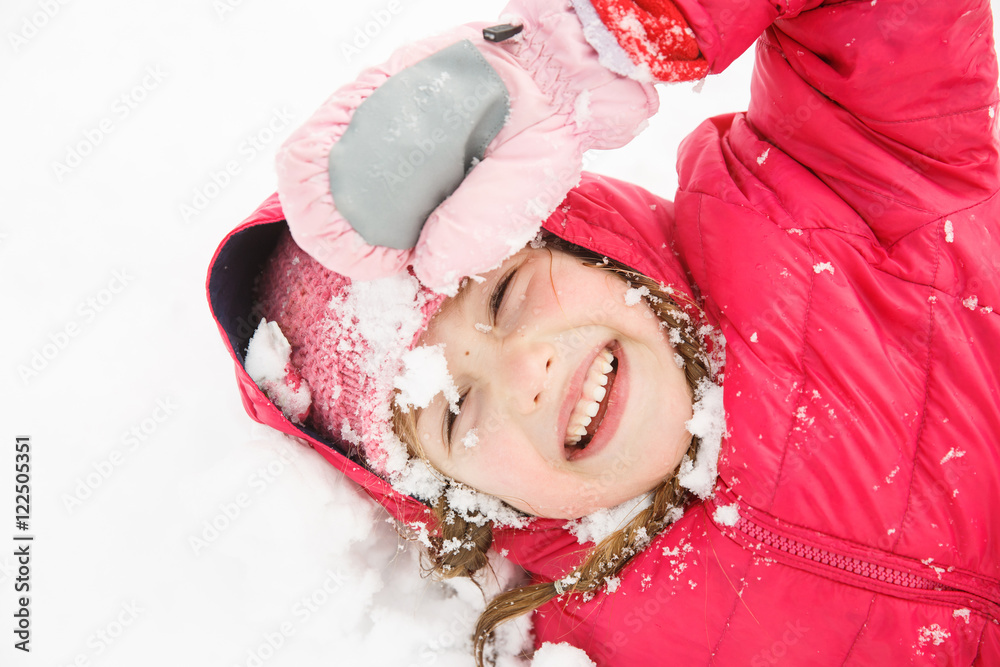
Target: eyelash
[(496, 300), (450, 417)]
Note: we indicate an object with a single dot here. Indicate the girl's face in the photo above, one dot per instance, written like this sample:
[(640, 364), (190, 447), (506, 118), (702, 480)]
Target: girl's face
[(572, 400)]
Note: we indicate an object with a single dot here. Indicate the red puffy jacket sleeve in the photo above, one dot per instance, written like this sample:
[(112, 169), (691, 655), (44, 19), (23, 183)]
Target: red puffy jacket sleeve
[(892, 104)]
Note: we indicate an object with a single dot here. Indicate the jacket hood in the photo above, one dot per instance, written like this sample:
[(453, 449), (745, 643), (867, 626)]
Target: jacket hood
[(621, 221)]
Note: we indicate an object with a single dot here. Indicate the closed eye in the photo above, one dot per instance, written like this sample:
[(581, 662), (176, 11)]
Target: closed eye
[(450, 416), (496, 299)]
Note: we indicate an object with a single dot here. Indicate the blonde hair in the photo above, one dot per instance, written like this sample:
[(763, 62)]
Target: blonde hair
[(610, 556)]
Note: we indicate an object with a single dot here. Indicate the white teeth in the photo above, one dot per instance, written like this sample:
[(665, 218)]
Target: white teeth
[(592, 394)]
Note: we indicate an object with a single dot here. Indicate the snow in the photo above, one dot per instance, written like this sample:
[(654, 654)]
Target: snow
[(561, 655), (479, 507), (823, 266), (933, 633), (953, 453), (600, 524), (471, 438), (266, 363), (634, 295), (763, 157), (708, 423), (727, 515), (425, 375), (949, 231)]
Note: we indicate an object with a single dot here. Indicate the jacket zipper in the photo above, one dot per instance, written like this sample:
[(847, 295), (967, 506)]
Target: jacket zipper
[(841, 562)]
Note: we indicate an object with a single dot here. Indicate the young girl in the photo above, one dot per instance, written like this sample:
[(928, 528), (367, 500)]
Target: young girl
[(497, 389)]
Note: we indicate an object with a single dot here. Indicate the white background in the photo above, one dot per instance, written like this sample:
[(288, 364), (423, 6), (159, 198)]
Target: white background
[(139, 440)]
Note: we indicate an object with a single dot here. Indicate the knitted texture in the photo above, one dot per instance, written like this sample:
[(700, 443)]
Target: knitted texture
[(654, 33), (347, 339)]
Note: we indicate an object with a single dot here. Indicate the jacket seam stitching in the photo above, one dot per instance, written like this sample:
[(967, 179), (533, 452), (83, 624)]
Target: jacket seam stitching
[(979, 647), (736, 602), (931, 329), (861, 630), (807, 316), (701, 239), (876, 193), (944, 215), (923, 118)]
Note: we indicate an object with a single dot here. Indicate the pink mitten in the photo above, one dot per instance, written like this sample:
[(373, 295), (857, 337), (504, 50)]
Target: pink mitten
[(449, 156)]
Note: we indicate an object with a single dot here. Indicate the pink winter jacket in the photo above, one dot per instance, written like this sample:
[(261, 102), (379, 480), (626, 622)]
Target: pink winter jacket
[(842, 234)]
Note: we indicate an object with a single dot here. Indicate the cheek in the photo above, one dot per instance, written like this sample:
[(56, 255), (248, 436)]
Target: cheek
[(504, 469)]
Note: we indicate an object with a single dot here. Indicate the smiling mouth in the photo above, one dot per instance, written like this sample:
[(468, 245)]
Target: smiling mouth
[(593, 403)]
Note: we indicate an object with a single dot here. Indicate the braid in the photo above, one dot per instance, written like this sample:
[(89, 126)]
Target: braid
[(459, 546), (605, 560)]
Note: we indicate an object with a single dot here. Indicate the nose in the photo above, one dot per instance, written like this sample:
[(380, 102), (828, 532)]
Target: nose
[(524, 373)]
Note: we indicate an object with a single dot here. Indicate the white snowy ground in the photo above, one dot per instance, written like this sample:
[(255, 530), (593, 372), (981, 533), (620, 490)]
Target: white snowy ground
[(168, 528)]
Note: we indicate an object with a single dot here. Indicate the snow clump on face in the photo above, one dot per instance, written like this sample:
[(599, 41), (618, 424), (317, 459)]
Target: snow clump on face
[(471, 438), (634, 295), (425, 375)]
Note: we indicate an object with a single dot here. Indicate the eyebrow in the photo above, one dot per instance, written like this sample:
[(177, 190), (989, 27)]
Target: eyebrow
[(456, 301)]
